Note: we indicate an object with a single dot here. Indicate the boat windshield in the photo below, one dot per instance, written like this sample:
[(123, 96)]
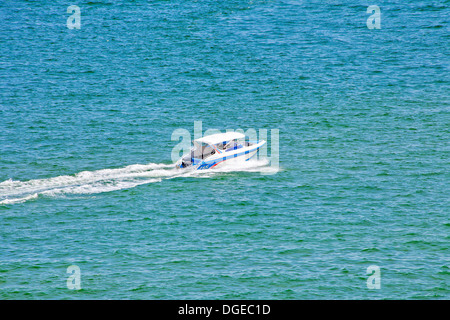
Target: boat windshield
[(201, 151), (229, 145)]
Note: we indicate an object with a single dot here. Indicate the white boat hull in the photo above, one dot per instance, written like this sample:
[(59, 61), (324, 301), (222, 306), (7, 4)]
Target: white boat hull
[(231, 156)]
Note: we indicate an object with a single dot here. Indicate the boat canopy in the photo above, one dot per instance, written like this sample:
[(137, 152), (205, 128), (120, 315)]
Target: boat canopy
[(220, 137)]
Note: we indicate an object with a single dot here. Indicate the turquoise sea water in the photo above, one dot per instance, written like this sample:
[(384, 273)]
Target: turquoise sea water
[(86, 177)]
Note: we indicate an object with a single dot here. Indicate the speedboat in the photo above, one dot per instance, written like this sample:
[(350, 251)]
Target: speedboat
[(216, 149)]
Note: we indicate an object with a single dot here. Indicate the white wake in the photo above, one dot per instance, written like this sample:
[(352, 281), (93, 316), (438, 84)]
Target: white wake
[(106, 180)]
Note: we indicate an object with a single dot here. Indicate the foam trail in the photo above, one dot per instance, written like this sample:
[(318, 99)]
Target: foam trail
[(86, 182), (106, 180), (19, 200)]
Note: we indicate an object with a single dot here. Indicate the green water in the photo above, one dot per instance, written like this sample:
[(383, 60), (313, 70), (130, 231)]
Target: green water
[(86, 175)]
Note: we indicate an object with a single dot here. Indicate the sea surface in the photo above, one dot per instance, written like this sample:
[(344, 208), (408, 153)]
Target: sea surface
[(87, 118)]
